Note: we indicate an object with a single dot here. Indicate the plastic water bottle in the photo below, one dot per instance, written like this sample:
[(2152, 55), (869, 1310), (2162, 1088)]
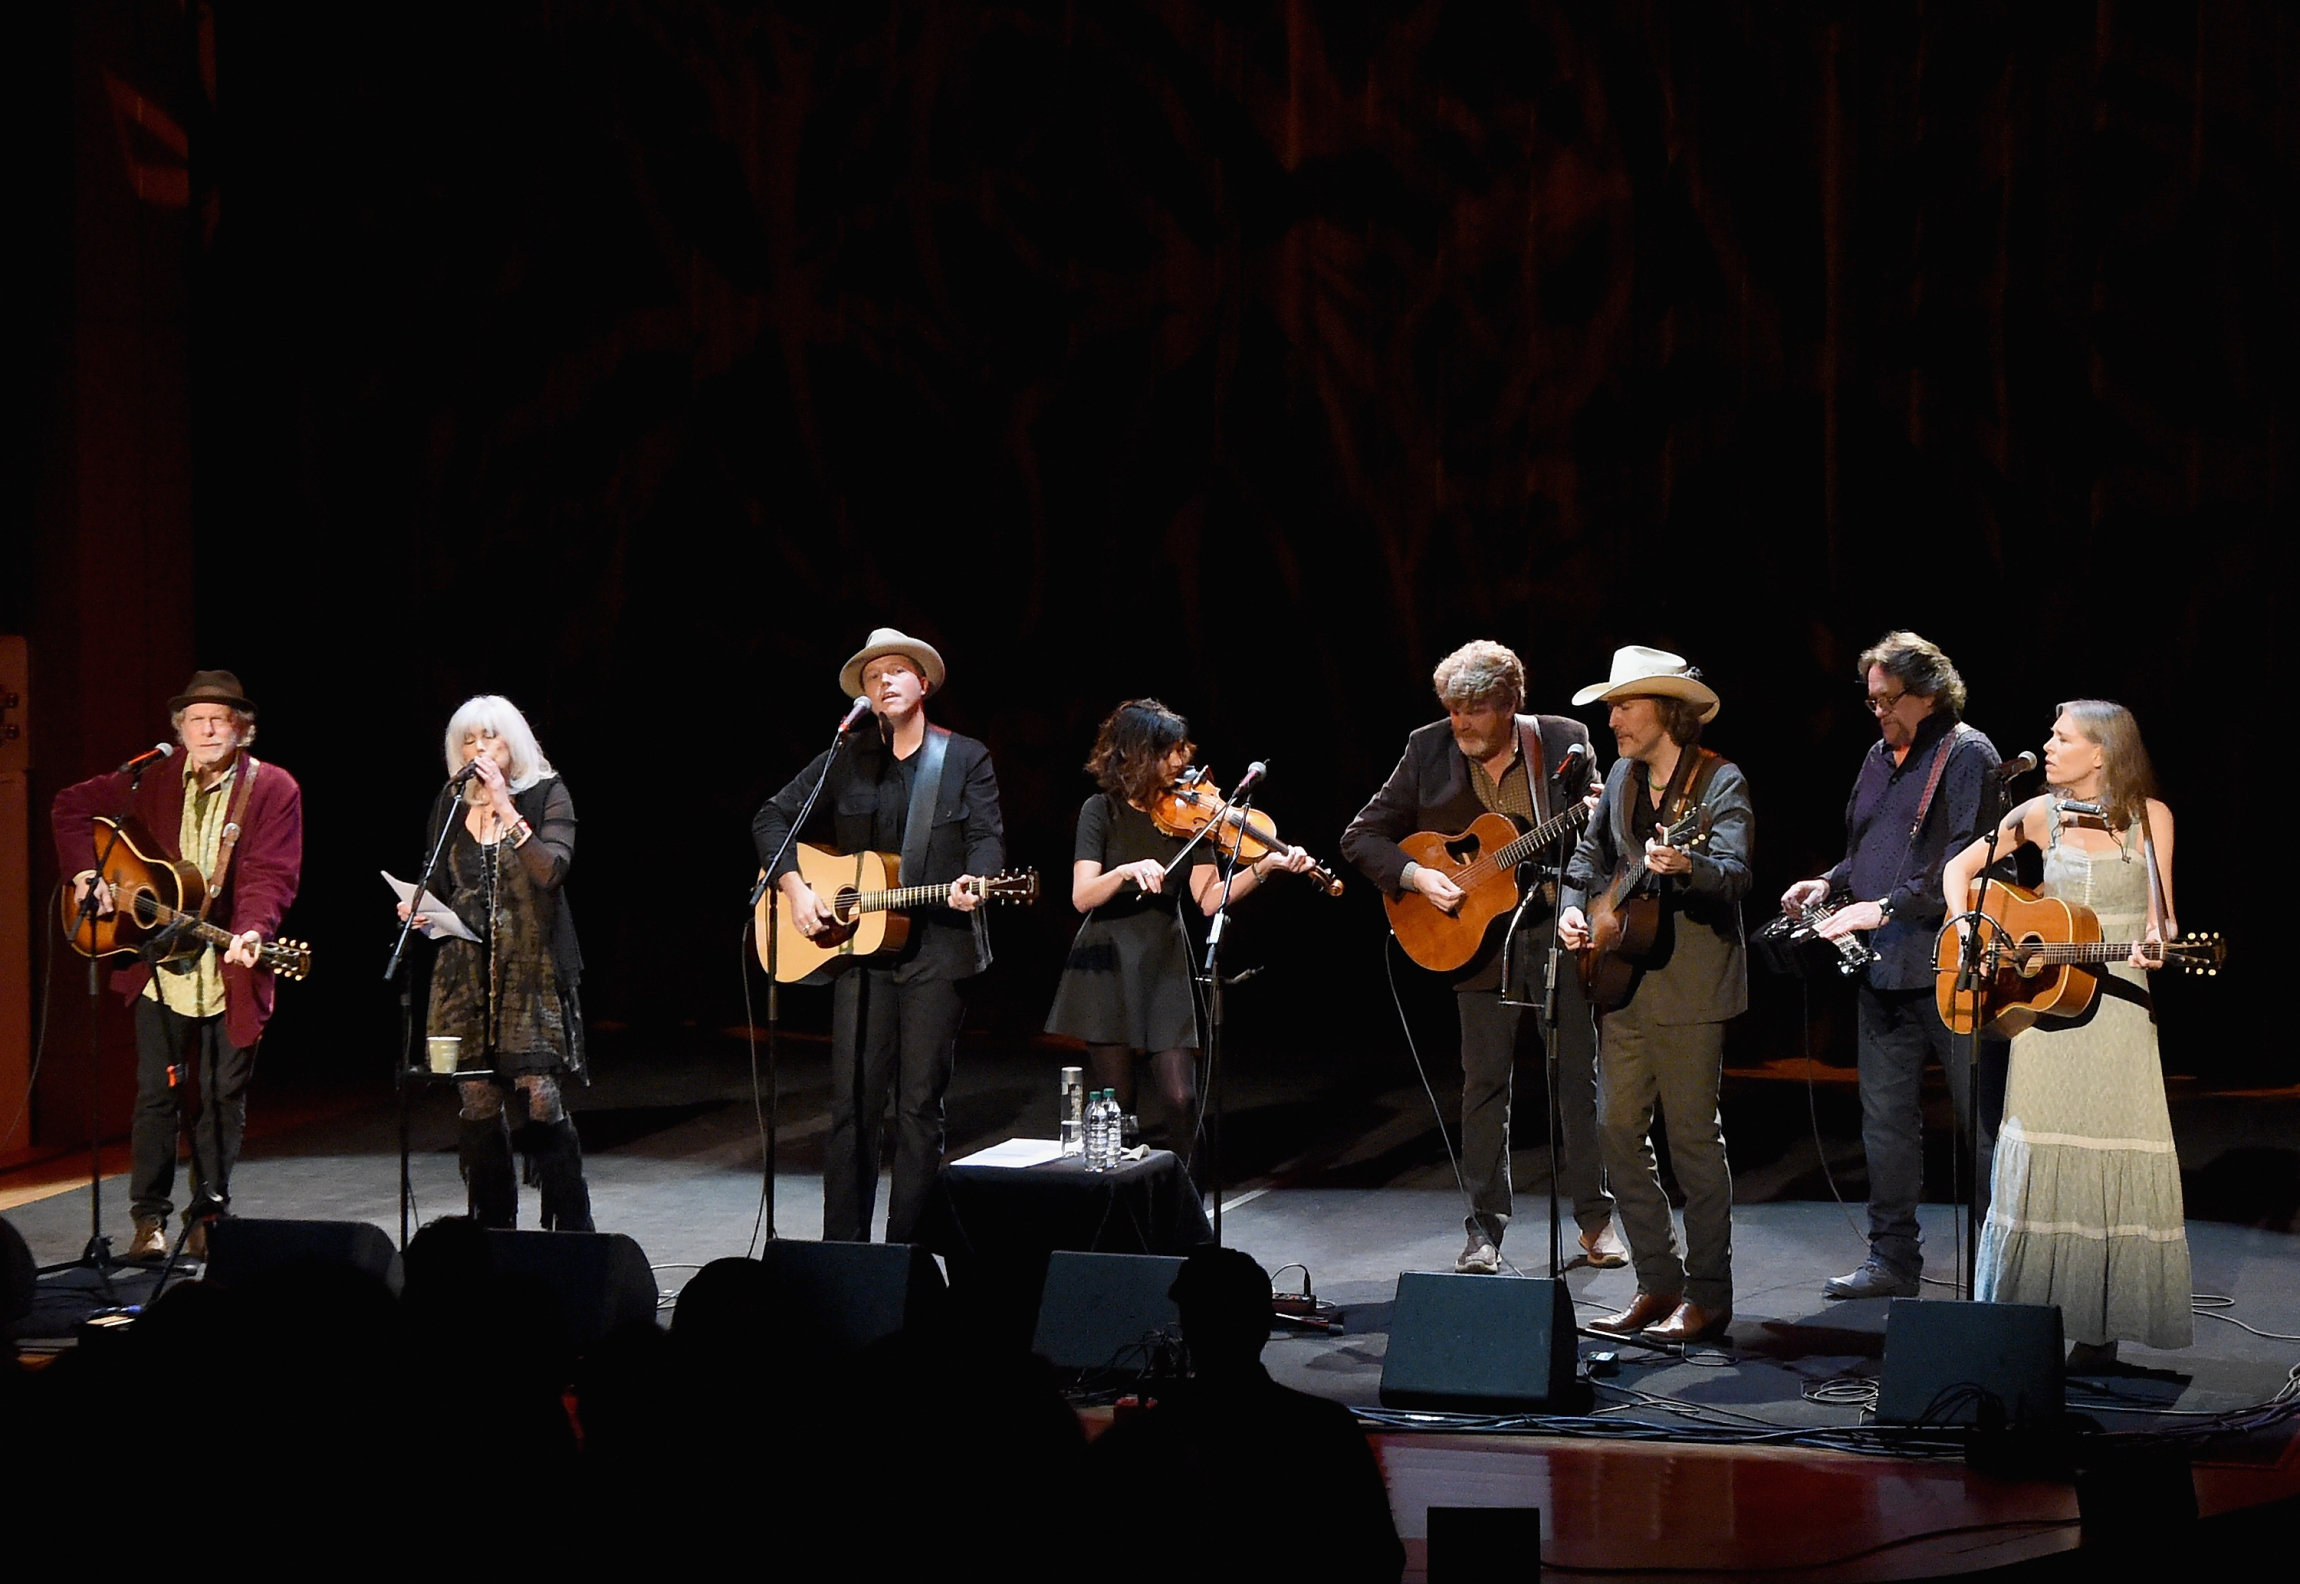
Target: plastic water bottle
[(1073, 1111), (1113, 1129), (1097, 1130)]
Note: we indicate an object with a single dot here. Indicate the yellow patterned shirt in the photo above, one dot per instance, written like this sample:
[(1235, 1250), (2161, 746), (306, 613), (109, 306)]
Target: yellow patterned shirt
[(199, 993)]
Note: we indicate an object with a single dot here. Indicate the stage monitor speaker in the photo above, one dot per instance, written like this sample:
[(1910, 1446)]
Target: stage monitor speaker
[(1479, 1545), (1094, 1307), (601, 1279), (841, 1297), (1943, 1361), (19, 1275), (243, 1247), (1481, 1344)]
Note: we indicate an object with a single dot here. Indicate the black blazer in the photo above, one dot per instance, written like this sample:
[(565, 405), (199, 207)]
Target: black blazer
[(864, 805), (1431, 790)]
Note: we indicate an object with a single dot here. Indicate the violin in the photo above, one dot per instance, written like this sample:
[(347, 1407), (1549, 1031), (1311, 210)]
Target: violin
[(1191, 804)]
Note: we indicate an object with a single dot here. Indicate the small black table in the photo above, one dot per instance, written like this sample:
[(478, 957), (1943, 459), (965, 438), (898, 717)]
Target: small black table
[(995, 1225)]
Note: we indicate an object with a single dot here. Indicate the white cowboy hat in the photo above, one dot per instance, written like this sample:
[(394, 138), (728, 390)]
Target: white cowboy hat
[(1639, 670), (893, 640)]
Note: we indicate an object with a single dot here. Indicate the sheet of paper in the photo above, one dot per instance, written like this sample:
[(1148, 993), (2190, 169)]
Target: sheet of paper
[(1015, 1152), (436, 913)]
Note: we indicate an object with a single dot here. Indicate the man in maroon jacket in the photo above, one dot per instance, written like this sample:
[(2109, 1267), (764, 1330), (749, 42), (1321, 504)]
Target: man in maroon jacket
[(240, 824)]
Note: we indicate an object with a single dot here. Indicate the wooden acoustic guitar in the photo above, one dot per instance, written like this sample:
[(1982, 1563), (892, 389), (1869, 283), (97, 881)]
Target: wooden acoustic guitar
[(2041, 958), (866, 899), (1483, 861), (1625, 918), (157, 899)]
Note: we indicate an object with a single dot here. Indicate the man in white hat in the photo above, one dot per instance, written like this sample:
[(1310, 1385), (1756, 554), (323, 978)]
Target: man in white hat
[(1916, 801), (930, 795), (1665, 1042), (1486, 757)]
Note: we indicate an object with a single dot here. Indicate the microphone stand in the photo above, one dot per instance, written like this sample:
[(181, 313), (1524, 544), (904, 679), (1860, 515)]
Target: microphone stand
[(772, 893), (97, 1254), (1976, 968), (408, 1067), (1531, 877), (1214, 1011)]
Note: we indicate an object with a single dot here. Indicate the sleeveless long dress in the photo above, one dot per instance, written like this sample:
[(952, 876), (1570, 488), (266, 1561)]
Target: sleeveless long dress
[(2086, 1210)]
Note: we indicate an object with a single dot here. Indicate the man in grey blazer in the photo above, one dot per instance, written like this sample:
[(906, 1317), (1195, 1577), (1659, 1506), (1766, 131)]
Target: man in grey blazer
[(1485, 756), (1665, 1043)]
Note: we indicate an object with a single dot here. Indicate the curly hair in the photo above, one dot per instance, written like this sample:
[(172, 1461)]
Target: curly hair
[(1481, 674), (1129, 757), (1919, 666)]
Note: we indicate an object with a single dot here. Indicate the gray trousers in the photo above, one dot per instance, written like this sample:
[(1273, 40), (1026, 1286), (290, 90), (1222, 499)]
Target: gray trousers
[(1678, 1067), (1899, 1031), (1489, 1041)]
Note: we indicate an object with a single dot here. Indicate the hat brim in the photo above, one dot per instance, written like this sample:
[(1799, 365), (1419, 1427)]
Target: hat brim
[(924, 655), (1680, 687), (228, 700)]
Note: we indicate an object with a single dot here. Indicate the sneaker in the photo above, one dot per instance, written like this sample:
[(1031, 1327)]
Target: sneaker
[(1480, 1258), (1874, 1279), (150, 1240)]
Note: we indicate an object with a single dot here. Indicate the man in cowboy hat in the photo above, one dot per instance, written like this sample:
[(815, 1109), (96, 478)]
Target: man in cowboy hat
[(930, 795), (1916, 801), (1665, 1042), (1485, 756), (240, 824)]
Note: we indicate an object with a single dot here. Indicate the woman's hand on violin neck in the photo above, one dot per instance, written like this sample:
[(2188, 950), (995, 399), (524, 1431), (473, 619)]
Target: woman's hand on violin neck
[(1293, 860)]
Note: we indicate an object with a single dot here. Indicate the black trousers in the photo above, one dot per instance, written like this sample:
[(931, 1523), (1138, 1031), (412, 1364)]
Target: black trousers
[(1899, 1031), (189, 1076), (888, 1041), (1490, 1033)]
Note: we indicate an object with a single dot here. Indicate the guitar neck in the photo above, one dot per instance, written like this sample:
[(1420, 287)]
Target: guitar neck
[(2082, 951), (1541, 836), (901, 899)]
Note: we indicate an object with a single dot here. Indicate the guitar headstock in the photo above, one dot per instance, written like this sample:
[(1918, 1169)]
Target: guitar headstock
[(287, 958), (2195, 953), (1690, 832), (1012, 886)]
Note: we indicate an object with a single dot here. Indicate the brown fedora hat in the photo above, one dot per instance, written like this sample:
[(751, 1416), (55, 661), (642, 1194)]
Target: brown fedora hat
[(212, 687)]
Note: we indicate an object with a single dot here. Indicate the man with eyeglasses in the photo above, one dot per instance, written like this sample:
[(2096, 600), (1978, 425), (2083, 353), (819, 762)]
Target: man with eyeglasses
[(1916, 800)]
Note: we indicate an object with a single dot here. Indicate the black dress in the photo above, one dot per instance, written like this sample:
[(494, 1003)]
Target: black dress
[(1127, 981), (512, 992)]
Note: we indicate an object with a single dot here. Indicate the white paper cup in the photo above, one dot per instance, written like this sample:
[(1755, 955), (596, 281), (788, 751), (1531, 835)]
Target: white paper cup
[(445, 1052)]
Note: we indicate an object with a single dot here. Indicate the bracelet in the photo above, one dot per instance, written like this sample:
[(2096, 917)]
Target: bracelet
[(519, 834)]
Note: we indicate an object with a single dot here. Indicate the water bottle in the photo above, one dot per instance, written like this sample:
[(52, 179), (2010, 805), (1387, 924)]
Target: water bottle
[(1073, 1111), (1097, 1130), (1113, 1129)]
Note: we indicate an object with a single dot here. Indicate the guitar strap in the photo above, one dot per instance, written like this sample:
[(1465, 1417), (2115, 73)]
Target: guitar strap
[(231, 837), (1941, 752), (1529, 754), (925, 793), (2157, 911), (1689, 785)]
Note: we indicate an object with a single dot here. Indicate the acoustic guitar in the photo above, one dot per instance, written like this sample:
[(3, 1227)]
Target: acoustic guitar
[(1625, 918), (866, 899), (1483, 861), (157, 903), (2040, 958)]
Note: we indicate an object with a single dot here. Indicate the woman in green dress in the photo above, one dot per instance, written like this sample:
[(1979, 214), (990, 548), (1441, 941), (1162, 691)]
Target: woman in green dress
[(2085, 1207)]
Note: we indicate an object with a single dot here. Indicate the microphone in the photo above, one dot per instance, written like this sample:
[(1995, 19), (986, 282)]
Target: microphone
[(2017, 766), (1248, 781), (855, 712), (151, 756), (470, 769), (2072, 806), (1573, 757)]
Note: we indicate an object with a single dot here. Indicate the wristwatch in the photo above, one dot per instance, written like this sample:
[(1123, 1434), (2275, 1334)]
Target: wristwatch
[(1885, 907)]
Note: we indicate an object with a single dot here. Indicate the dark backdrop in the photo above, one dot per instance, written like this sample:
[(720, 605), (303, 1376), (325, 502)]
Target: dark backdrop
[(635, 359)]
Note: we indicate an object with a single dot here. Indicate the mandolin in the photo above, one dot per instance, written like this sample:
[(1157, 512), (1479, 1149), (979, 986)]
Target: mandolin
[(157, 903), (866, 900), (1625, 918), (2040, 958)]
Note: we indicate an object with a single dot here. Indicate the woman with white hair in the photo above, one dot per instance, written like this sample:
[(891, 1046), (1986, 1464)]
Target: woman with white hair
[(510, 995)]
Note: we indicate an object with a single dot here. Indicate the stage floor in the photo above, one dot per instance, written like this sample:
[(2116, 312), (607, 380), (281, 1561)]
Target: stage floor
[(1354, 1185)]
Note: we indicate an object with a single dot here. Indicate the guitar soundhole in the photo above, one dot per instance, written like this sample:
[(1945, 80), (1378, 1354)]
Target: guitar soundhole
[(145, 908), (843, 905), (2030, 962), (1463, 852)]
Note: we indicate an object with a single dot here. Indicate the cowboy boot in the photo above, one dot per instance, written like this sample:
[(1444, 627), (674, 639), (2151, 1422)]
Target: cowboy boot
[(557, 1157)]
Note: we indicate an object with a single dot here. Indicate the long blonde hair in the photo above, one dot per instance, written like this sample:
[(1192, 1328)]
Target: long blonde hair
[(2127, 779)]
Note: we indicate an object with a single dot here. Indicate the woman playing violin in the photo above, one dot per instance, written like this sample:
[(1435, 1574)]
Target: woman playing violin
[(1126, 987)]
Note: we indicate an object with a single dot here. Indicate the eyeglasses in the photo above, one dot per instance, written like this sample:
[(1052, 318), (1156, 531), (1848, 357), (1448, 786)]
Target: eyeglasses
[(1885, 704)]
